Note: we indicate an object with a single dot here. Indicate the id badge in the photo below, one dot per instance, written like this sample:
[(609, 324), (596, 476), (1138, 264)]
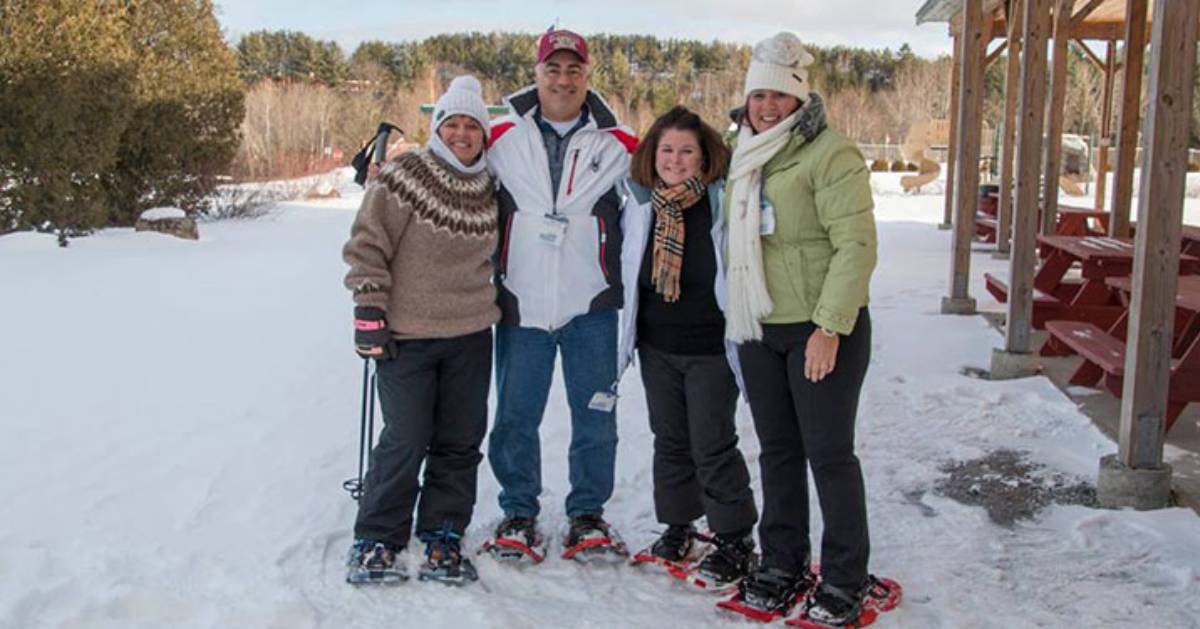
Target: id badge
[(603, 401), (554, 230), (766, 223)]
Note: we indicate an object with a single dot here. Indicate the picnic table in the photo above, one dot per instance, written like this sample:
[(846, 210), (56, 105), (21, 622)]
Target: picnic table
[(1089, 299), (1189, 240), (1072, 221), (1076, 221), (1103, 350)]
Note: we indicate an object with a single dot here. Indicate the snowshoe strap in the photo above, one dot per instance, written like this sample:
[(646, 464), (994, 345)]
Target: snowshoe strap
[(771, 581), (877, 588), (841, 594)]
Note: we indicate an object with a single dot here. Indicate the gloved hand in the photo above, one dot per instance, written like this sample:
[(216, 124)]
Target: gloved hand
[(372, 338)]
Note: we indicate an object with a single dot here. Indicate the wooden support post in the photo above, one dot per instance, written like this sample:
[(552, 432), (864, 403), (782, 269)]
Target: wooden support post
[(1058, 99), (1011, 94), (1131, 105), (970, 126), (952, 148), (1160, 213), (1110, 73), (1018, 332)]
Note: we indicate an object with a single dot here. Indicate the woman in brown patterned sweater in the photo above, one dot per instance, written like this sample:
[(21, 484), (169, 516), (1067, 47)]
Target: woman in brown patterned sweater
[(420, 270)]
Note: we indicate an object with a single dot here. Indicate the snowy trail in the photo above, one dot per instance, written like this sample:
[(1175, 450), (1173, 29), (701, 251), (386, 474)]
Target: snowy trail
[(178, 418)]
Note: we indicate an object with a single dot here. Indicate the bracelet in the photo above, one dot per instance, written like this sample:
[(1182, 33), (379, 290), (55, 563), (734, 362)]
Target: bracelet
[(827, 332)]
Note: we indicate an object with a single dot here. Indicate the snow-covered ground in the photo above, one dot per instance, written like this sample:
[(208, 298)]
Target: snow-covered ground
[(178, 418)]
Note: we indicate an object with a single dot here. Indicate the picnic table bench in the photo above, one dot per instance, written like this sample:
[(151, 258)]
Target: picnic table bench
[(1103, 351)]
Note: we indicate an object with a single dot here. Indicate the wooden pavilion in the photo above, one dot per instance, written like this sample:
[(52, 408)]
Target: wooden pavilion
[(1030, 160)]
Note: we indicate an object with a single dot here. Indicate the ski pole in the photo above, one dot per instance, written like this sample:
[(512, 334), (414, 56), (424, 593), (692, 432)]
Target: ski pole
[(366, 430)]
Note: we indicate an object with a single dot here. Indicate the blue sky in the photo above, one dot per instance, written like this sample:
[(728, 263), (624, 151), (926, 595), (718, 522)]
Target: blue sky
[(865, 23)]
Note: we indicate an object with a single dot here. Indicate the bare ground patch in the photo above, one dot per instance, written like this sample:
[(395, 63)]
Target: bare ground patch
[(1010, 487)]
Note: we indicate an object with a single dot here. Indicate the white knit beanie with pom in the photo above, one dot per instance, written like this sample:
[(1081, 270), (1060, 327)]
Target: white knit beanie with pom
[(464, 97), (780, 63)]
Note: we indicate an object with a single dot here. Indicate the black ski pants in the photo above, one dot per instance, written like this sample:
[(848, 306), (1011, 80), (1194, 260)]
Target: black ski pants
[(434, 397), (801, 424), (698, 469)]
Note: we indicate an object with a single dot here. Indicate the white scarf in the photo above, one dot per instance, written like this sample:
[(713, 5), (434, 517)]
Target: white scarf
[(440, 149), (749, 301)]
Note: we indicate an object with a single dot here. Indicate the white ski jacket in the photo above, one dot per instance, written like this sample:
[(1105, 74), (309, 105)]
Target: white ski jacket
[(545, 278)]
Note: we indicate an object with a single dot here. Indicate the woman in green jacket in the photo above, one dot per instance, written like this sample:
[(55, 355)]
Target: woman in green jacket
[(801, 251)]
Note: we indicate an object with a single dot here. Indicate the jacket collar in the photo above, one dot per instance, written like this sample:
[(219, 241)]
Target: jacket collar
[(524, 101)]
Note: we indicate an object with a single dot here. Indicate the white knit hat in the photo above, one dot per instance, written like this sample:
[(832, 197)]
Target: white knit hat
[(463, 97), (780, 63)]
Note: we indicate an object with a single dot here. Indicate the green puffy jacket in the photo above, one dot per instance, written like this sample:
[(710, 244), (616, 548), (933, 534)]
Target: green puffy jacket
[(818, 261)]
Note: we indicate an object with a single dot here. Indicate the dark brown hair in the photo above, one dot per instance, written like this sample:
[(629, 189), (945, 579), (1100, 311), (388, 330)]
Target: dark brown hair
[(714, 153)]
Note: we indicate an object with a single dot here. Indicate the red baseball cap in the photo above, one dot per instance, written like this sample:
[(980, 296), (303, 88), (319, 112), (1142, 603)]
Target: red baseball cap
[(553, 41)]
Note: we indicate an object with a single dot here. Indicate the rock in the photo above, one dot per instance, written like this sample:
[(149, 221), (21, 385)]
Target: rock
[(172, 221)]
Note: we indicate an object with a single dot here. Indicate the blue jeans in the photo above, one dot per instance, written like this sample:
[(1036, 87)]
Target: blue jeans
[(524, 370)]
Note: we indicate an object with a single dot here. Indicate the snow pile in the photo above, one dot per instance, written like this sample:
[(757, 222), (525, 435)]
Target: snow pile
[(161, 213), (175, 458)]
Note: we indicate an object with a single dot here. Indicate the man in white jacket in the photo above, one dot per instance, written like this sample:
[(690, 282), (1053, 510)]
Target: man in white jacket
[(558, 158)]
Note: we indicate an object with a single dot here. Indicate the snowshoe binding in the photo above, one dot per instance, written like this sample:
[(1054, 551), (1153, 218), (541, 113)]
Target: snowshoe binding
[(829, 606), (769, 593), (517, 540), (731, 559), (676, 550), (883, 594), (591, 539), (444, 562), (372, 561)]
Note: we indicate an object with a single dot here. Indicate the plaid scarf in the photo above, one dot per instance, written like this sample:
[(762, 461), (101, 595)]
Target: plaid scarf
[(669, 204)]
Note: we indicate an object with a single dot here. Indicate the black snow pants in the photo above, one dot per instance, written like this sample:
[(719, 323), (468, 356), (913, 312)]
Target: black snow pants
[(698, 469), (801, 424), (434, 397)]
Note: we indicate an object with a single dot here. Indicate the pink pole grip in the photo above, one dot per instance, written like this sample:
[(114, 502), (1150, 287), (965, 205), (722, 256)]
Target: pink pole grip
[(365, 325)]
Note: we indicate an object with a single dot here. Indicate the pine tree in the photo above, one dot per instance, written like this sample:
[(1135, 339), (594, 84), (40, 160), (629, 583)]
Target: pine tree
[(188, 107), (66, 91)]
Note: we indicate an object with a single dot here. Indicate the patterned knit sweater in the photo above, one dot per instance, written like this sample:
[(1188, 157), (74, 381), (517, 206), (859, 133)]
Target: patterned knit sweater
[(421, 248)]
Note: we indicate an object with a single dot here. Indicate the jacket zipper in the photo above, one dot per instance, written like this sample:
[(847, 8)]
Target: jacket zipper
[(571, 180), (504, 250), (603, 248)]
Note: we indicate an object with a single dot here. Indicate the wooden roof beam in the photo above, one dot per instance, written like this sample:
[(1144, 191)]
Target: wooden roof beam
[(1093, 31), (994, 8), (1095, 59), (995, 54), (1080, 15)]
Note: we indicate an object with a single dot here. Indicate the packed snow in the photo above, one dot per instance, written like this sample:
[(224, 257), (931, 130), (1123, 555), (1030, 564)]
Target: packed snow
[(179, 417)]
